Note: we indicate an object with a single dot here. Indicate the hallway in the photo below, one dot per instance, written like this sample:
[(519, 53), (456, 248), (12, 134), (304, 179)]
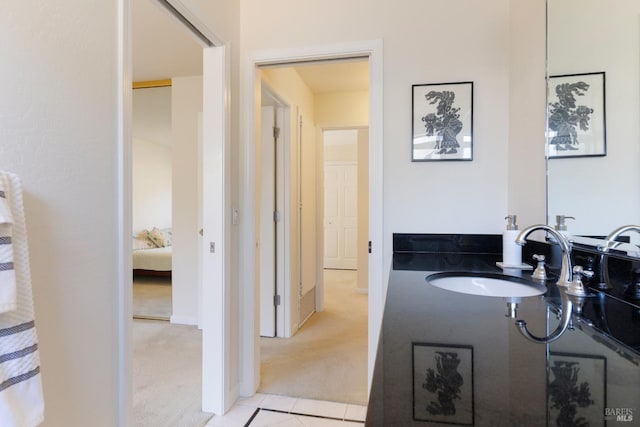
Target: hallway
[(327, 358)]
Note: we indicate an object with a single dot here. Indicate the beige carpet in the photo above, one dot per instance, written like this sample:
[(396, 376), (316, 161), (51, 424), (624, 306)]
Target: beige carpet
[(167, 370), (327, 358), (152, 298)]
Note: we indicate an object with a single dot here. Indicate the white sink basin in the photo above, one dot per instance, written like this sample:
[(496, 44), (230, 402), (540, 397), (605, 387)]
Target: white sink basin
[(487, 284)]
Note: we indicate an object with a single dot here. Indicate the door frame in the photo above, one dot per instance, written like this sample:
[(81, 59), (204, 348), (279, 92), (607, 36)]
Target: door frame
[(249, 281)]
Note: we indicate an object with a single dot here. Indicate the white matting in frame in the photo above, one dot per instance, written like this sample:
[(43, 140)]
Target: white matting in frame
[(442, 122)]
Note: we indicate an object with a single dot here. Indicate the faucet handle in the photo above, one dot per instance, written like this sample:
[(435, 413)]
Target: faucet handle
[(576, 288), (580, 272), (540, 273)]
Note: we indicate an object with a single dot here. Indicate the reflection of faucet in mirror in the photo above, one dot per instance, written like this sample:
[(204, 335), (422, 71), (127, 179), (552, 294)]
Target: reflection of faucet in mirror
[(604, 281), (611, 237), (566, 275)]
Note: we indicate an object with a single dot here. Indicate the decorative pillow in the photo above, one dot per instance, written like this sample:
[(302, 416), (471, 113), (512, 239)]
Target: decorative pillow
[(168, 236), (141, 241), (157, 237)]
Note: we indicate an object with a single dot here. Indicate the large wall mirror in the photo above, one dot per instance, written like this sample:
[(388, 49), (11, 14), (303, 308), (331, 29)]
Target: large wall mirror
[(594, 128)]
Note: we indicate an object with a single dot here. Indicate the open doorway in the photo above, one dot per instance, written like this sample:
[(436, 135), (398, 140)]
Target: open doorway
[(346, 182), (166, 355), (333, 341)]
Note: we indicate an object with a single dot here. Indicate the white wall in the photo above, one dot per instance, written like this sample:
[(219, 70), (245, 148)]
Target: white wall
[(152, 114), (340, 145), (340, 109), (151, 185), (59, 133), (185, 106), (456, 197), (527, 98)]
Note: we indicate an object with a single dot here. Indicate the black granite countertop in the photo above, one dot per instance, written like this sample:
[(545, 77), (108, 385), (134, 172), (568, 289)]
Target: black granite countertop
[(451, 358)]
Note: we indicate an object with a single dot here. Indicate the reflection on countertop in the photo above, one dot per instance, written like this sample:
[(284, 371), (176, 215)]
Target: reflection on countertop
[(447, 357)]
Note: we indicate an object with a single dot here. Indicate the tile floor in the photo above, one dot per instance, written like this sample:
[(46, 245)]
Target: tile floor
[(263, 410)]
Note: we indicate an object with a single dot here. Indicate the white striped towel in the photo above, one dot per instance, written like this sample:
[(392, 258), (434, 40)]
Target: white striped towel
[(7, 273), (21, 398)]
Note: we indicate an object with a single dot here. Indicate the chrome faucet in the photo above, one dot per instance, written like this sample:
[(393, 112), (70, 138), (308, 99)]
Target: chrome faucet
[(610, 239), (603, 281), (566, 271)]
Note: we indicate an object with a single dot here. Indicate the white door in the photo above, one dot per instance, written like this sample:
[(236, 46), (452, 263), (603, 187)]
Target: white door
[(341, 216), (217, 396), (268, 243)]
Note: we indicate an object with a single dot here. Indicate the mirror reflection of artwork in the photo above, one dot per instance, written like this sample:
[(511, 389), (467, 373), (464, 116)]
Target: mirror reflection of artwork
[(576, 390), (565, 116), (443, 383), (585, 36), (442, 121), (576, 115)]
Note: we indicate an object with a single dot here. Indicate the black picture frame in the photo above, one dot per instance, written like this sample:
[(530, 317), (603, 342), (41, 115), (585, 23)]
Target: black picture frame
[(576, 116), (442, 122), (583, 378), (443, 383)]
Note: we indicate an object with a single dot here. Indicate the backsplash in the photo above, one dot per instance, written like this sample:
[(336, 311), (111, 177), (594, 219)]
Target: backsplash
[(453, 243)]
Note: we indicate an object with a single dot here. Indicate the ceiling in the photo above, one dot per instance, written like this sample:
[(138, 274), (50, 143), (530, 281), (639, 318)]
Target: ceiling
[(333, 76), (164, 48)]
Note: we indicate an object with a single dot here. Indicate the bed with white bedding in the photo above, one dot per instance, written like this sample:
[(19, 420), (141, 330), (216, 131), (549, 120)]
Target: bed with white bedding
[(152, 252), (154, 259)]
